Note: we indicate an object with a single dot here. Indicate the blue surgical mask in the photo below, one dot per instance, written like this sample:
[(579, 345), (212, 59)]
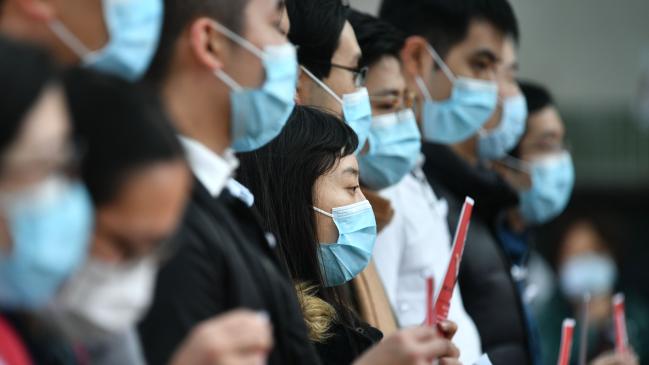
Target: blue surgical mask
[(357, 109), (258, 115), (457, 119), (553, 178), (134, 28), (496, 143), (394, 148), (50, 227), (591, 274), (349, 256)]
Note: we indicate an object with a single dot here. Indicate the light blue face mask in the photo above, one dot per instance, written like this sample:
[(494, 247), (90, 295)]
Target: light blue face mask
[(495, 144), (394, 148), (455, 120), (258, 115), (592, 274), (357, 109), (134, 28), (552, 181), (50, 227), (344, 260)]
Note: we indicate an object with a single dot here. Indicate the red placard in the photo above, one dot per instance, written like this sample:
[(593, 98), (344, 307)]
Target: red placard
[(443, 303), (619, 318), (567, 333)]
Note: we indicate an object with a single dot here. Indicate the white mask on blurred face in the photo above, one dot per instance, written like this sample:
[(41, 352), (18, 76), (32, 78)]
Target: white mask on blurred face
[(103, 300), (591, 274)]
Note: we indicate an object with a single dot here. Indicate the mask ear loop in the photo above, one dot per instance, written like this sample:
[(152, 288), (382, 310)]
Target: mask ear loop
[(440, 62), (323, 212), (516, 164), (322, 85), (69, 39)]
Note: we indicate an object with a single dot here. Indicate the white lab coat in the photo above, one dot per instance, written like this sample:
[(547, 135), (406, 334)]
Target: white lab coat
[(416, 244)]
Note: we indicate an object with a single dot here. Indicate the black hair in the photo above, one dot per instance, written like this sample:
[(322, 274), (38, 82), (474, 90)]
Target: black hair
[(316, 26), (376, 38), (537, 96), (445, 23), (179, 14), (282, 176), (25, 72), (121, 127)]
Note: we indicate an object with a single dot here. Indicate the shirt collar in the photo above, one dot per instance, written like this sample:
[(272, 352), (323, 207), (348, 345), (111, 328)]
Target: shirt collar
[(212, 170)]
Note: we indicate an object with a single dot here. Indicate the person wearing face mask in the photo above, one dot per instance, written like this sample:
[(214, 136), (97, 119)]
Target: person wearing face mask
[(586, 258), (417, 240), (45, 211), (113, 36), (307, 186), (228, 77), (450, 59)]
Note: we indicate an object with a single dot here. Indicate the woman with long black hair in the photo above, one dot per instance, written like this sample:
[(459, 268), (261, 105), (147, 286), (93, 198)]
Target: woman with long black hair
[(306, 187)]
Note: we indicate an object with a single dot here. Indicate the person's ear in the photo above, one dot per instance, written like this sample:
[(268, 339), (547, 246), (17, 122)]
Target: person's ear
[(207, 44), (42, 10), (414, 55)]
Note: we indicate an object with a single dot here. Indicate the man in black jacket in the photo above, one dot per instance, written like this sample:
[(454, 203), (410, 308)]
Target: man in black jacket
[(452, 58), (209, 53)]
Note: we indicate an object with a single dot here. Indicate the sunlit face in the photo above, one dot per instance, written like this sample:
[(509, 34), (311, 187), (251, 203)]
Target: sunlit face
[(387, 86), (337, 188), (507, 84), (477, 57), (41, 149), (340, 80), (143, 215)]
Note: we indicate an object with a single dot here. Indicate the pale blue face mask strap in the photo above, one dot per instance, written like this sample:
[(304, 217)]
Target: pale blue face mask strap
[(69, 39), (516, 164), (440, 62), (322, 85), (229, 81), (240, 40), (323, 212), (423, 88)]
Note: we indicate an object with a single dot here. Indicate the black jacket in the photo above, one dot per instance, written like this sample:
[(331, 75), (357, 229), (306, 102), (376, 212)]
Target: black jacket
[(223, 262), (488, 290), (347, 343)]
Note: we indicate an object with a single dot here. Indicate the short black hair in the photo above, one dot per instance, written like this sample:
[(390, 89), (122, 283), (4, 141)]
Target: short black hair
[(536, 95), (121, 128), (179, 14), (445, 23), (316, 26), (25, 71), (376, 38)]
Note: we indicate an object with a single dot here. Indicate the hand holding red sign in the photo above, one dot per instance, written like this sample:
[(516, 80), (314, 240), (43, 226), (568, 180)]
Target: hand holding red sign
[(443, 303)]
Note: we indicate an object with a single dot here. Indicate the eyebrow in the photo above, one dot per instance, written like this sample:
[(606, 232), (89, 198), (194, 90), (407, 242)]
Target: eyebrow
[(485, 53), (351, 171), (385, 92)]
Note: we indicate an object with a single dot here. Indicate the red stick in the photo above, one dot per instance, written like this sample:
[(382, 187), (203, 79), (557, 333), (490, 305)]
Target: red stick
[(443, 303), (619, 318), (567, 333)]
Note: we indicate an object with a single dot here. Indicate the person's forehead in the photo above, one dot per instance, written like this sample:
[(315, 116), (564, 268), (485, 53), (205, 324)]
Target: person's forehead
[(483, 37), (545, 123), (385, 73), (348, 52)]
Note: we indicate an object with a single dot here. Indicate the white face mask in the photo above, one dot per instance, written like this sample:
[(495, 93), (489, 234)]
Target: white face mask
[(102, 300)]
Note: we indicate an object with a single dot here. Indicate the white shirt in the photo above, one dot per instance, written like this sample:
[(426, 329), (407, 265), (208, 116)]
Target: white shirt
[(212, 170), (413, 246)]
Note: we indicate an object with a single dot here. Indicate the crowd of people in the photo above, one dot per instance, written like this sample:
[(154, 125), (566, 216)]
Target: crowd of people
[(242, 182)]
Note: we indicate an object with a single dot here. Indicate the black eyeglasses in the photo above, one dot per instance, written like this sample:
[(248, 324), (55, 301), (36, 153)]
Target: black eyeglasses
[(360, 73)]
